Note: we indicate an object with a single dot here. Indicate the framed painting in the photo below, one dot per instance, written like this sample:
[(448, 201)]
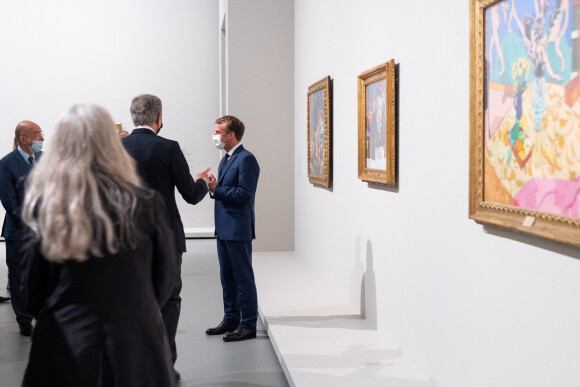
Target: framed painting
[(376, 124), (319, 133), (525, 116)]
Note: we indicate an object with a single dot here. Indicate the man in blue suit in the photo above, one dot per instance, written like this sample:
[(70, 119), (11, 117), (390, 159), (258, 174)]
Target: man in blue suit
[(234, 192), (14, 168), (162, 166)]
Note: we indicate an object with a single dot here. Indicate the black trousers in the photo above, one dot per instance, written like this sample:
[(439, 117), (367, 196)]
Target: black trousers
[(171, 311), (13, 261)]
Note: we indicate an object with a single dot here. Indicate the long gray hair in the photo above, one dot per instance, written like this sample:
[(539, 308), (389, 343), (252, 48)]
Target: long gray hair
[(81, 196)]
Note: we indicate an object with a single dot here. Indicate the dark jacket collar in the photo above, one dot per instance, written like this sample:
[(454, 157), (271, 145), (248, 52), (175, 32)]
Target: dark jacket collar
[(230, 162), (143, 131), (238, 150)]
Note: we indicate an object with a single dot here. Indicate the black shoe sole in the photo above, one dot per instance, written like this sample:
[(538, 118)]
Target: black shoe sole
[(220, 332), (231, 340)]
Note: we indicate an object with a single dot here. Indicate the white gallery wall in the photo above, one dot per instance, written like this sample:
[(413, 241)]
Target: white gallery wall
[(257, 55), (469, 305), (55, 54)]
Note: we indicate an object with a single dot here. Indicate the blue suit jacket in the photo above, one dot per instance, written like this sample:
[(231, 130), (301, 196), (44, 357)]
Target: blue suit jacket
[(13, 172), (234, 197), (162, 166)]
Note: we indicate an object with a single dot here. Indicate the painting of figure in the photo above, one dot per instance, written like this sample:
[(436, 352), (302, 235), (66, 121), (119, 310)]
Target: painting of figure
[(376, 125), (316, 131), (532, 106), (319, 132)]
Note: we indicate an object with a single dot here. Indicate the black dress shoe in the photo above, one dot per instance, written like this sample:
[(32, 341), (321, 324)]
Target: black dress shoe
[(240, 334), (222, 328), (4, 299), (26, 329)]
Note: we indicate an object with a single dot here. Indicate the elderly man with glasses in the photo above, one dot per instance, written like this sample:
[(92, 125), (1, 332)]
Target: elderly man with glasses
[(14, 168)]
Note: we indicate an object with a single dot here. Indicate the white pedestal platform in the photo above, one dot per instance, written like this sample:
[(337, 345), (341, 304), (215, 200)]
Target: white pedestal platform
[(320, 339), (199, 232)]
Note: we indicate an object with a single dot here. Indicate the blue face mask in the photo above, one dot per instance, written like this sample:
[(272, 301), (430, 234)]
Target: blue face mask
[(36, 146)]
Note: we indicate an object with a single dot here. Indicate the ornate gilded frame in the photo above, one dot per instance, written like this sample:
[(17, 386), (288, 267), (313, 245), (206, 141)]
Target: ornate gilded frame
[(323, 179), (547, 225), (387, 175)]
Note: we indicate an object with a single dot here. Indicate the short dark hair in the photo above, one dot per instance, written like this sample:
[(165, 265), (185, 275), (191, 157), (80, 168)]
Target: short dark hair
[(145, 109), (233, 124)]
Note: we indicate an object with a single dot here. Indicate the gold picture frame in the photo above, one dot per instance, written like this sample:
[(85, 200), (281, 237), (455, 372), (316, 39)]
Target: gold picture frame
[(319, 132), (377, 124), (519, 141)]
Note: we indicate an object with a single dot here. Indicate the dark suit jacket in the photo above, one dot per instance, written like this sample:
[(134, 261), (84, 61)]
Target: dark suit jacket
[(98, 321), (234, 197), (13, 172), (162, 166)]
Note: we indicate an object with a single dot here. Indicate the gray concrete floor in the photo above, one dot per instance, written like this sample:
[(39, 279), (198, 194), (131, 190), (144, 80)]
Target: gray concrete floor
[(202, 360)]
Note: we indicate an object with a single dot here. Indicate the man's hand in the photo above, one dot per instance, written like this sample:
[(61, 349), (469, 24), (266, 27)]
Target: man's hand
[(203, 175), (211, 182)]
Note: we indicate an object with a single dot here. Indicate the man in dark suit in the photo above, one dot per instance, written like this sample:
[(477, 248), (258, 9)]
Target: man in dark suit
[(14, 169), (162, 166), (234, 192)]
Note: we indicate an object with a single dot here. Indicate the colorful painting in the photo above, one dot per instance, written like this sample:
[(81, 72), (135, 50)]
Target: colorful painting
[(376, 125), (532, 149), (525, 120), (319, 133)]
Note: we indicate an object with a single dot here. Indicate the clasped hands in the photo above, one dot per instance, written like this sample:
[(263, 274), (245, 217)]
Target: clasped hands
[(209, 178)]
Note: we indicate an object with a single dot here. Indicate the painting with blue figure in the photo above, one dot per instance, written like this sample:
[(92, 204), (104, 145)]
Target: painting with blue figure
[(316, 133), (532, 105), (540, 30)]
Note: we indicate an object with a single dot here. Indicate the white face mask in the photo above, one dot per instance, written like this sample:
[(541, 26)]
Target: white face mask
[(36, 146), (217, 141)]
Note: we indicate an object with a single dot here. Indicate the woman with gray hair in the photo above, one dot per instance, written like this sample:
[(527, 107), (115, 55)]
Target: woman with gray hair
[(94, 275)]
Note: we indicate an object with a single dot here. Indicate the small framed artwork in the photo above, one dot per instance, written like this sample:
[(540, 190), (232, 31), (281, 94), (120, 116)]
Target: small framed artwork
[(524, 172), (377, 125), (319, 133)]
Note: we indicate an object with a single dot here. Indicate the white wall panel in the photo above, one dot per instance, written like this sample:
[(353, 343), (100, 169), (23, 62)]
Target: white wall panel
[(55, 54), (470, 306), (260, 80)]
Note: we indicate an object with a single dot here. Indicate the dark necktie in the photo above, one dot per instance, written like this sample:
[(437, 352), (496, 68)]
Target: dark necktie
[(223, 164), (30, 161)]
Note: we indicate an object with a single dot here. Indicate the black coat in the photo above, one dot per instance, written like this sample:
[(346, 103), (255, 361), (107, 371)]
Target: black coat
[(13, 172), (99, 321), (162, 165)]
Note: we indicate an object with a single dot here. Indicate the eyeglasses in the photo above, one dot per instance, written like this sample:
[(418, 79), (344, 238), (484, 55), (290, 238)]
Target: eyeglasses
[(37, 135)]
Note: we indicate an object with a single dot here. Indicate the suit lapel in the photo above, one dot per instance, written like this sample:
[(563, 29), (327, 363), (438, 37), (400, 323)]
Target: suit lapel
[(224, 168), (21, 165), (221, 168)]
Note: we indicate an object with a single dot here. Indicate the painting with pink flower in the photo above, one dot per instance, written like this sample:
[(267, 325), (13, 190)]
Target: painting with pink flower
[(525, 115), (532, 120)]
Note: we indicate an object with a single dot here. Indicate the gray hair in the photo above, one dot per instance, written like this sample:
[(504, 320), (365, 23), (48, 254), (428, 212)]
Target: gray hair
[(19, 131), (81, 197), (145, 109)]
